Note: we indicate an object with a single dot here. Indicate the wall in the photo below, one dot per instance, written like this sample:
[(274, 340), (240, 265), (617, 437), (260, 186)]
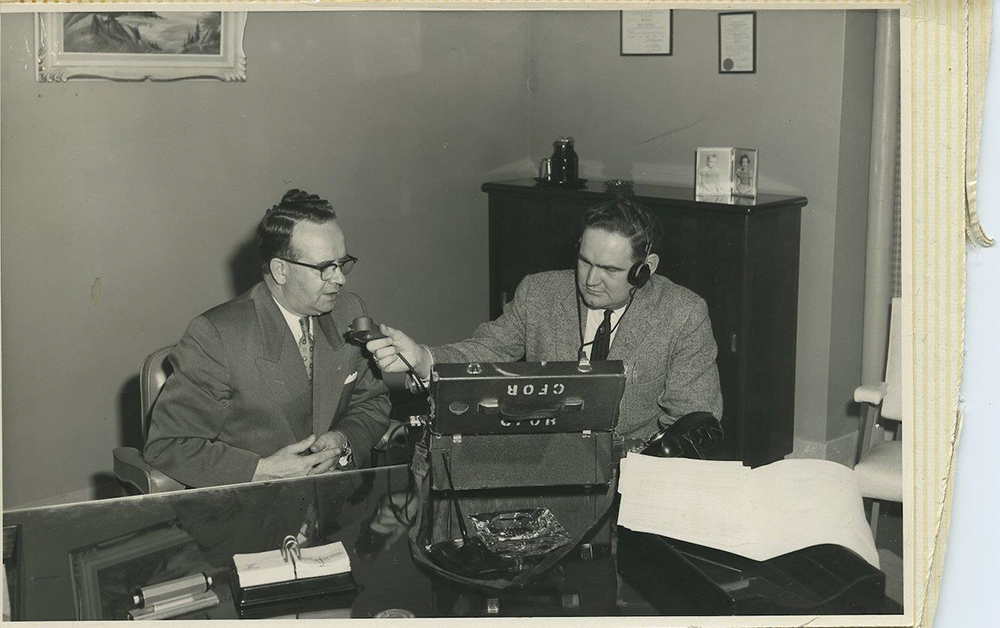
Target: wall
[(807, 109), (850, 244), (128, 208)]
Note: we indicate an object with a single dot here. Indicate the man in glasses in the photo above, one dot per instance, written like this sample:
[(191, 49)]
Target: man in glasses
[(264, 386)]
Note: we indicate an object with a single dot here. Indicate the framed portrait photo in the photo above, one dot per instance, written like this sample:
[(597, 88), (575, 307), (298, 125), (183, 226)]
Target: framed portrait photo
[(713, 173), (140, 46), (738, 43), (647, 32), (745, 172)]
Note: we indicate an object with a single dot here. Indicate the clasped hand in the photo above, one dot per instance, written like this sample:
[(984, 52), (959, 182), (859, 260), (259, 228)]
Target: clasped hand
[(310, 456)]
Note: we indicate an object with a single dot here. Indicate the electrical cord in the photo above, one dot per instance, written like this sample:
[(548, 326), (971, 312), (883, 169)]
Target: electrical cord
[(413, 372), (400, 513)]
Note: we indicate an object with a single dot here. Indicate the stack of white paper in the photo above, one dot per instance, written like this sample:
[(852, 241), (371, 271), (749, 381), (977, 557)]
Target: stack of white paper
[(758, 513), (270, 567)]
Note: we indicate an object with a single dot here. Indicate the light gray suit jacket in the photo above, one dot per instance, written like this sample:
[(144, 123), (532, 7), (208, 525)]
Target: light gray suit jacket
[(240, 392), (665, 341)]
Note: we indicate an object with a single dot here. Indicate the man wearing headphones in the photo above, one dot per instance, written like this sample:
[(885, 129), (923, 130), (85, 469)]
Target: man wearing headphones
[(615, 309)]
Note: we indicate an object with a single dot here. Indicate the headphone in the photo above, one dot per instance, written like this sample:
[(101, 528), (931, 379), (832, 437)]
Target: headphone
[(639, 274)]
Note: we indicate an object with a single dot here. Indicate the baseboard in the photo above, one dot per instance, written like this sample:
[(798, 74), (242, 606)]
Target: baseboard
[(843, 449), (810, 449), (840, 449), (83, 495)]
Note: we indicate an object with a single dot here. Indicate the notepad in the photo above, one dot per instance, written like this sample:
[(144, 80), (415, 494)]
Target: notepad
[(758, 513), (271, 567)]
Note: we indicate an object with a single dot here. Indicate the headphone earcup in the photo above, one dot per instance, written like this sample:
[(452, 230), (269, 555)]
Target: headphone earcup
[(638, 275)]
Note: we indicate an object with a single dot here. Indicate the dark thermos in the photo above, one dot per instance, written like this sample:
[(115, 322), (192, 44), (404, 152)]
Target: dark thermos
[(565, 163)]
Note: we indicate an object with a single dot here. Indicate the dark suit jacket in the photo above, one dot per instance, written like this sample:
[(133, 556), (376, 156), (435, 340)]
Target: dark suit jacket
[(665, 341), (240, 392)]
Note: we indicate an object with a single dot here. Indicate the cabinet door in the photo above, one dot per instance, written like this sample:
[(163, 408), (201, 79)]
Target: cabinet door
[(528, 236), (703, 252)]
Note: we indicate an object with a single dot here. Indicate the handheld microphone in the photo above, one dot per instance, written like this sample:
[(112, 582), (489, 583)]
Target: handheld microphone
[(363, 330)]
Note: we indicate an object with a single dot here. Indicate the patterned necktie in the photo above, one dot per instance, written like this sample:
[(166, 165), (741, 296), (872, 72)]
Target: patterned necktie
[(306, 346), (602, 339)]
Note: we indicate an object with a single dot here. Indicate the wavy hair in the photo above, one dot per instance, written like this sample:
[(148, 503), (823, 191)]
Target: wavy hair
[(275, 228)]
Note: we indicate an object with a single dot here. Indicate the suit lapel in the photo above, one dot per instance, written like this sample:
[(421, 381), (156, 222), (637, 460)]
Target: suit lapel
[(330, 368), (578, 311), (280, 364), (632, 327)]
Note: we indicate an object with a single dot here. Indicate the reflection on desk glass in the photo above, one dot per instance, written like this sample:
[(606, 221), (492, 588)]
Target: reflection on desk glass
[(106, 574), (118, 545)]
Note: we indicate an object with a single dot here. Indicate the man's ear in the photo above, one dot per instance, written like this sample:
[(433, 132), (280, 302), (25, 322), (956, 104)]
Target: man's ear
[(653, 260), (278, 268)]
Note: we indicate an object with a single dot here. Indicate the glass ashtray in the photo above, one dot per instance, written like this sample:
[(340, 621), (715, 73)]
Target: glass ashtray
[(520, 533)]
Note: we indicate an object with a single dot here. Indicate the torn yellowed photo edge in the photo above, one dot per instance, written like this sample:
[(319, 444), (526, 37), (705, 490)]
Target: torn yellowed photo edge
[(942, 53)]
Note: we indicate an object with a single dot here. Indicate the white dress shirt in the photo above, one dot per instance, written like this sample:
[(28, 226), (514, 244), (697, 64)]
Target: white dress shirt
[(293, 322), (594, 320)]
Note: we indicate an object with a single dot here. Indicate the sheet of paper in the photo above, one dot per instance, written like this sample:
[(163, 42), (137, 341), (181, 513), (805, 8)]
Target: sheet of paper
[(263, 568), (270, 567), (758, 513), (323, 560), (703, 504), (809, 502)]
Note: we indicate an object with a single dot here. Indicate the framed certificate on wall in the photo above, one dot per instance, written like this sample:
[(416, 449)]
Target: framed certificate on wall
[(738, 43), (647, 32)]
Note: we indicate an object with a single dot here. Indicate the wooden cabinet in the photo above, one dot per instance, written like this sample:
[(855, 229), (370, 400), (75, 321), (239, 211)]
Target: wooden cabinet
[(742, 258)]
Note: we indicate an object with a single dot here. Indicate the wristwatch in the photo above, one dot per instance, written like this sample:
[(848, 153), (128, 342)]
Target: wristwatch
[(346, 457), (413, 384)]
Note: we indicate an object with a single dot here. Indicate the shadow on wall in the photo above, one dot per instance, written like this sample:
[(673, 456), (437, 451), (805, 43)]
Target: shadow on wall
[(130, 413), (130, 434), (244, 265), (244, 271), (105, 485)]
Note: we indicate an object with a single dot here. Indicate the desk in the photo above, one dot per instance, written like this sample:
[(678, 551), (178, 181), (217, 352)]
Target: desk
[(83, 561)]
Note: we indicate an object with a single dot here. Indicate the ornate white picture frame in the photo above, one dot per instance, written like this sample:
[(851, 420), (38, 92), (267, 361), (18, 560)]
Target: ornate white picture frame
[(132, 46)]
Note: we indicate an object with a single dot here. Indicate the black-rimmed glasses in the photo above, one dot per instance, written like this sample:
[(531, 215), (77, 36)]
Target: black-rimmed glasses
[(328, 269)]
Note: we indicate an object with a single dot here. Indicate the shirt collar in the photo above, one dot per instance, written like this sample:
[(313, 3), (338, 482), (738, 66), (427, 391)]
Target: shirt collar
[(598, 314), (293, 320)]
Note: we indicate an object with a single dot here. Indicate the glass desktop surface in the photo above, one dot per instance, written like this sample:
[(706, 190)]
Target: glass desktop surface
[(84, 561)]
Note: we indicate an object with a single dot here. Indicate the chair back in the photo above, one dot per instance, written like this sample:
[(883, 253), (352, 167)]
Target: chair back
[(155, 371), (892, 405)]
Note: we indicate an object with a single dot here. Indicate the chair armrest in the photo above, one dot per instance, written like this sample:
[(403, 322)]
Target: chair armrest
[(870, 393), (132, 469)]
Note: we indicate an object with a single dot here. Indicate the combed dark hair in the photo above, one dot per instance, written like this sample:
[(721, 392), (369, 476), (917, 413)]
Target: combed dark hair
[(625, 215), (275, 229)]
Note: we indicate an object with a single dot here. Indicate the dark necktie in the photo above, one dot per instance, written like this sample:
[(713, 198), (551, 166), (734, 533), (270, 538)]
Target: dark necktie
[(602, 339), (306, 346)]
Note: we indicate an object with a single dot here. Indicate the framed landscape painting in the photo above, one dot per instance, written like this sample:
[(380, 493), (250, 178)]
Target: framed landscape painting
[(140, 45)]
